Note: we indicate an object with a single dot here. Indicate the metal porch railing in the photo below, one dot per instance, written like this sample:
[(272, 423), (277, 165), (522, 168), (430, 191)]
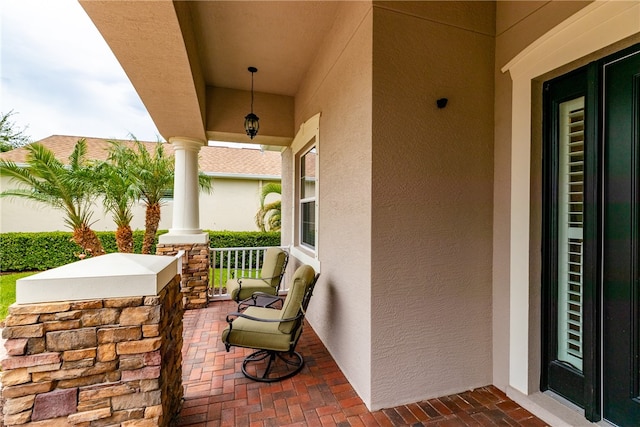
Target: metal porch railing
[(229, 263)]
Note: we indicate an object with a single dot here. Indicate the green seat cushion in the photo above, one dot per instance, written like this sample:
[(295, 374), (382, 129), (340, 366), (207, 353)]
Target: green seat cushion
[(254, 334), (249, 286)]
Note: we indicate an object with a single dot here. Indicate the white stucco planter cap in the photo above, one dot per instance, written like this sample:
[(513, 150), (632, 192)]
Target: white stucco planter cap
[(108, 276)]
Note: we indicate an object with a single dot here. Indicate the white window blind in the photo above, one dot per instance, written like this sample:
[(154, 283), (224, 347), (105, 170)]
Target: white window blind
[(570, 231)]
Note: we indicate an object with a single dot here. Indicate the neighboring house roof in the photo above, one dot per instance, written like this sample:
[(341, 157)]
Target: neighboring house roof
[(215, 161)]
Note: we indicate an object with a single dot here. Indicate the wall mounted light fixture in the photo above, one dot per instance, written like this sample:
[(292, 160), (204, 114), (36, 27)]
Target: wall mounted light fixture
[(251, 123)]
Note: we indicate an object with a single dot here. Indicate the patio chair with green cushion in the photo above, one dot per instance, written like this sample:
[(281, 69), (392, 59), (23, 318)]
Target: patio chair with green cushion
[(273, 333), (273, 266)]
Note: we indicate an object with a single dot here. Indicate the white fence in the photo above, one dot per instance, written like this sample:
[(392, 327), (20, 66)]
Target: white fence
[(230, 263)]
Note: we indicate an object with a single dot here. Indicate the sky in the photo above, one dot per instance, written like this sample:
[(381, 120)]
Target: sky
[(60, 78)]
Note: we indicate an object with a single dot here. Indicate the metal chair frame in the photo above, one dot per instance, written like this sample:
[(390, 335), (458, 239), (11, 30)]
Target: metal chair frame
[(294, 358)]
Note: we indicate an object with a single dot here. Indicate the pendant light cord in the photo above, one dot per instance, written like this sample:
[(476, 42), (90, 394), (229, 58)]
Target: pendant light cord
[(252, 92)]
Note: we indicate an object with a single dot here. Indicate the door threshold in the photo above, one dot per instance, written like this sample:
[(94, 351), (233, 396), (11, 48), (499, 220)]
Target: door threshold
[(552, 409)]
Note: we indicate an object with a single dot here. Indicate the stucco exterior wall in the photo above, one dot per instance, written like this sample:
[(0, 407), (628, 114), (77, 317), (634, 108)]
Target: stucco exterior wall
[(232, 206), (432, 194), (338, 85)]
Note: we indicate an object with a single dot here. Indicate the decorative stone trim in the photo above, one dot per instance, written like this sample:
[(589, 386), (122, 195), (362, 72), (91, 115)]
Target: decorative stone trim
[(195, 271), (95, 362)]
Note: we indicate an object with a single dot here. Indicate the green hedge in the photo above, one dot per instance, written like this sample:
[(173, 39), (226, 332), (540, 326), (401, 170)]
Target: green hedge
[(42, 251), (243, 239)]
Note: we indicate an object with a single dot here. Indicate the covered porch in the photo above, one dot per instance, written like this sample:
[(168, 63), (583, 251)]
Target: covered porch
[(217, 394), (424, 217)]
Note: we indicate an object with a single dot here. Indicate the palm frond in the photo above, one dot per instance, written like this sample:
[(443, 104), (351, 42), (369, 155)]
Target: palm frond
[(205, 183), (270, 213), (16, 173), (269, 188), (77, 159), (115, 183)]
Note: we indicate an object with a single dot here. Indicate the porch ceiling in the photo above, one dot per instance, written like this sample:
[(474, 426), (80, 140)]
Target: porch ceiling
[(176, 52)]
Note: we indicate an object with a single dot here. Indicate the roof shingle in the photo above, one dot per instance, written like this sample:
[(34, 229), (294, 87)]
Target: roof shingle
[(212, 160)]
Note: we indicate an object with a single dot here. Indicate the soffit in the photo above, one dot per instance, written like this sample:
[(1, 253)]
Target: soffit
[(280, 38), (172, 51)]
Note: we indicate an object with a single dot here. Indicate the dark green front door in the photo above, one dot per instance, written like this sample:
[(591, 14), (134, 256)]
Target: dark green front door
[(591, 234), (620, 251)]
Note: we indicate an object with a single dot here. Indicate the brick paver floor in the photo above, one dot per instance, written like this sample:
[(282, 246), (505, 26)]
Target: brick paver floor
[(217, 394)]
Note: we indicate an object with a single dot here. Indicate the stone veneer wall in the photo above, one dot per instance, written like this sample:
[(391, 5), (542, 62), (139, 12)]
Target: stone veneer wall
[(195, 271), (94, 363)]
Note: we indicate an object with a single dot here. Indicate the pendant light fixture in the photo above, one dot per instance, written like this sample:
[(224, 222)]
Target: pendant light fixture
[(251, 124)]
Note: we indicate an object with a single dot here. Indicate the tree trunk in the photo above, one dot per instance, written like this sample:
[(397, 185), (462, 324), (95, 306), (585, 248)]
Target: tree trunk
[(151, 222), (87, 239), (124, 239)]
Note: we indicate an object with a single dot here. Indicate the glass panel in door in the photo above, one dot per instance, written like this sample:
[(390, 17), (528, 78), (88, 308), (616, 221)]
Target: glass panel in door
[(570, 231)]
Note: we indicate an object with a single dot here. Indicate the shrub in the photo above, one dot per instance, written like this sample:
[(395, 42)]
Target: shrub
[(243, 239), (36, 251), (42, 251)]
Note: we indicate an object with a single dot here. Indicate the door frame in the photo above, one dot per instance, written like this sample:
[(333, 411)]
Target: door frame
[(586, 388), (581, 388), (593, 29)]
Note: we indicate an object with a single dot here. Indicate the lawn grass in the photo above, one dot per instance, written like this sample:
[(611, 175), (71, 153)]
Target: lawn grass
[(217, 281), (8, 290)]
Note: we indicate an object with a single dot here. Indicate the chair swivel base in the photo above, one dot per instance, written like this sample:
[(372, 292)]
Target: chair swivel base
[(270, 366)]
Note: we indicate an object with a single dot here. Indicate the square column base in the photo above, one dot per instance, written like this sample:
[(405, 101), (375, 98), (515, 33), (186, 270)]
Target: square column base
[(195, 271), (183, 237)]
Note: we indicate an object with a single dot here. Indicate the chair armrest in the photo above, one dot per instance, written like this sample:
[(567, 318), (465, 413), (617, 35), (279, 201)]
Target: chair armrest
[(264, 279), (268, 278), (258, 319), (241, 278), (262, 294)]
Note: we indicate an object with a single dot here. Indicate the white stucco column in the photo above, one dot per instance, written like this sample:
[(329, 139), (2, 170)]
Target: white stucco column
[(185, 227)]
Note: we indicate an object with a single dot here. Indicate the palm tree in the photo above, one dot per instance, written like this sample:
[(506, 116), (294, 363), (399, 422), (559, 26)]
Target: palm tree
[(115, 183), (270, 214), (151, 176), (152, 173), (68, 188)]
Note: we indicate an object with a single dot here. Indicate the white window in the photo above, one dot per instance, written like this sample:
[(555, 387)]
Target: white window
[(307, 198), (305, 148)]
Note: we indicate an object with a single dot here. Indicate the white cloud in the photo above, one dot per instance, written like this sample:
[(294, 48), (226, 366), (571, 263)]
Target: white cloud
[(60, 77)]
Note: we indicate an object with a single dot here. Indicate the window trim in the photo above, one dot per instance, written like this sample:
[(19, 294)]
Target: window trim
[(306, 138)]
